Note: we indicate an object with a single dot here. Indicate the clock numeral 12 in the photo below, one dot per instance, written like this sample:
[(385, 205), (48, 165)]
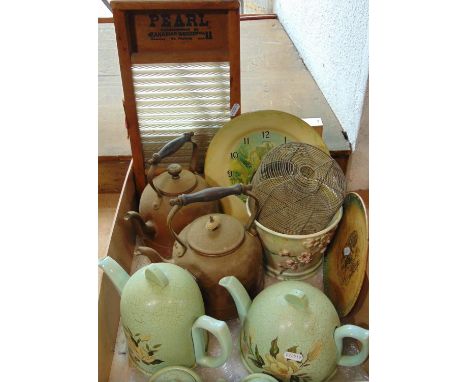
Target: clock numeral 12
[(266, 134)]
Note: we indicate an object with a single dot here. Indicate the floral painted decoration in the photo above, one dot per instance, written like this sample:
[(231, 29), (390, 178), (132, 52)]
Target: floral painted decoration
[(140, 350), (277, 365), (313, 247), (350, 262), (294, 262)]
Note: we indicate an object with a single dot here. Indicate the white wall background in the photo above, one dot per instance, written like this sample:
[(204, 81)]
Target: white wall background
[(358, 166), (332, 38), (258, 6)]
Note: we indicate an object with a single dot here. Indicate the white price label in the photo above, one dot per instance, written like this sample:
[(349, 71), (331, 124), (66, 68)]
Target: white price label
[(294, 356), (235, 109)]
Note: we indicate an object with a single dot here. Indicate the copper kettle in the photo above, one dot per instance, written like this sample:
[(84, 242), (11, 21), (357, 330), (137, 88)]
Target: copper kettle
[(216, 245), (154, 207)]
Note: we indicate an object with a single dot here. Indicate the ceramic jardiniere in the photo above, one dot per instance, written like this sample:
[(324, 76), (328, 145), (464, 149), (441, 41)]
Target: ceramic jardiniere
[(292, 331), (214, 246), (150, 221), (162, 315), (294, 257)]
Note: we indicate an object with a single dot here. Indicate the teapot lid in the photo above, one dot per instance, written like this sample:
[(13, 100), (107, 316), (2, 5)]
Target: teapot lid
[(175, 373), (215, 234), (345, 260), (289, 307), (175, 181), (160, 284)]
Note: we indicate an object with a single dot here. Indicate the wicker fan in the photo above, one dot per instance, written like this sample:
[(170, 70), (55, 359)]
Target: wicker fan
[(299, 187)]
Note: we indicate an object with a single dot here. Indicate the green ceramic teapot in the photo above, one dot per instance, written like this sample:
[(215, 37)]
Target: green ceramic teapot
[(162, 315), (292, 332)]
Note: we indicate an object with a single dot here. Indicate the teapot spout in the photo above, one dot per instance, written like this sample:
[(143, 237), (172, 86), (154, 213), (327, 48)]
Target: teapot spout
[(115, 272), (151, 254), (239, 294), (144, 229)]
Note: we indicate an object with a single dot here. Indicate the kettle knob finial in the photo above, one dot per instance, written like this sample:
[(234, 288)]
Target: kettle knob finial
[(174, 170), (212, 223)]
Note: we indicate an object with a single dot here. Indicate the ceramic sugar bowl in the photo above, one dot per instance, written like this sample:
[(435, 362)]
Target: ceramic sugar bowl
[(292, 332), (162, 315)]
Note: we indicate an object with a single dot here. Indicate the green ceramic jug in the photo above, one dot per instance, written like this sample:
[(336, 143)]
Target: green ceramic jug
[(162, 315), (292, 331)]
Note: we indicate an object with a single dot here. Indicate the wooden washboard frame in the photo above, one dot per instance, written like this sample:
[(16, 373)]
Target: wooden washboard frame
[(152, 36)]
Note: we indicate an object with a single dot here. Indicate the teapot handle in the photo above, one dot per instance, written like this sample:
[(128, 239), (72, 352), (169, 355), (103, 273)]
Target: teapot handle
[(221, 331), (168, 149), (209, 195), (358, 333)]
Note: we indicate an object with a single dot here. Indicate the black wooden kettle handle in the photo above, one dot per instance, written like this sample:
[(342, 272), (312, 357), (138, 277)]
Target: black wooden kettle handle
[(208, 195), (168, 149)]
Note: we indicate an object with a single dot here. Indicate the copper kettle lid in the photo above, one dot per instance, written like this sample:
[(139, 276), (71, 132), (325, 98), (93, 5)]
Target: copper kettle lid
[(175, 181), (215, 234)]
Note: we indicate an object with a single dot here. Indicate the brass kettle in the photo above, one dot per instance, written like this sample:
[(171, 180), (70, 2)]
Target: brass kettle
[(216, 245), (154, 207)]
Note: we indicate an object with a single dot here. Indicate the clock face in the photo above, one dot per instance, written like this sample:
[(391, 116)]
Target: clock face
[(248, 151), (236, 150)]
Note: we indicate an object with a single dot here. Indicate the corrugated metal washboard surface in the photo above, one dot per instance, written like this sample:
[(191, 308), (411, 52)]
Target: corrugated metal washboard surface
[(180, 97)]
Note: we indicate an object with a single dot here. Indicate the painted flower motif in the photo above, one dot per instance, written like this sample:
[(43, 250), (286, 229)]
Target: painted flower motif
[(284, 252), (290, 264), (280, 366), (277, 365), (309, 243), (305, 257), (140, 354), (140, 350)]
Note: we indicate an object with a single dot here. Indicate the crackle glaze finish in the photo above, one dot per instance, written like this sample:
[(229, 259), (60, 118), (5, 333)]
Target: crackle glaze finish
[(295, 257), (162, 316), (274, 325)]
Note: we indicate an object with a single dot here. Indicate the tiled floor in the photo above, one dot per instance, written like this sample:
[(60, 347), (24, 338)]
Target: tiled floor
[(107, 204)]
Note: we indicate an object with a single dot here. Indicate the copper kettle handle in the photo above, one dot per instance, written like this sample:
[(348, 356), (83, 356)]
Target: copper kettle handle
[(168, 149), (208, 195)]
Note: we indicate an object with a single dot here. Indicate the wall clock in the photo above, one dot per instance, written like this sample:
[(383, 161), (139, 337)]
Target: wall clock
[(236, 150)]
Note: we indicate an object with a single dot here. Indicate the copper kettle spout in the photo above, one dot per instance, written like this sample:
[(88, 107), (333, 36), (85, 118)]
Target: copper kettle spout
[(144, 229), (152, 254)]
